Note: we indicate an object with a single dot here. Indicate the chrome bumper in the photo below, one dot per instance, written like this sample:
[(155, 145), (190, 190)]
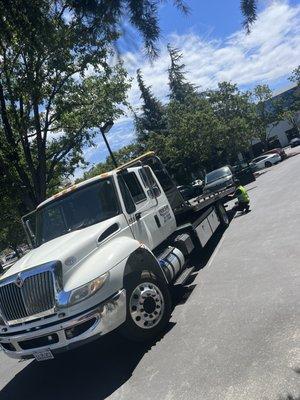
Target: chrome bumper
[(104, 318)]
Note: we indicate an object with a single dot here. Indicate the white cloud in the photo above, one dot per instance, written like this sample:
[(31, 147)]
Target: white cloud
[(268, 54)]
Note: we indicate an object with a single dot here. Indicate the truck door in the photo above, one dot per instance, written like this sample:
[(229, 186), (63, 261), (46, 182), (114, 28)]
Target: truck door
[(144, 215), (164, 216)]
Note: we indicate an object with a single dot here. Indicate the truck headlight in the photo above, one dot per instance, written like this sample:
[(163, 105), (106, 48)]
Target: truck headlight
[(85, 291)]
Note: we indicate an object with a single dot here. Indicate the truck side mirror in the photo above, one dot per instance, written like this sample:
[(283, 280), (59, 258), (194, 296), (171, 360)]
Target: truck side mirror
[(156, 191), (28, 222), (153, 192)]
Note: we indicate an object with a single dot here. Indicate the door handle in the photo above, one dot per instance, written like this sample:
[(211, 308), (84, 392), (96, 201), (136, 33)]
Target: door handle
[(138, 216), (109, 231)]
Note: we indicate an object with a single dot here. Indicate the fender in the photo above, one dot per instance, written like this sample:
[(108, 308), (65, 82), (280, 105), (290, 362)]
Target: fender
[(126, 256), (143, 259)]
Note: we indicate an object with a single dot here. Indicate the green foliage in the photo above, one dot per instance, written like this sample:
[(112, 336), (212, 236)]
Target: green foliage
[(295, 76), (122, 156), (267, 112), (11, 231), (180, 88), (234, 112), (209, 129), (203, 130), (152, 118), (249, 11), (55, 87)]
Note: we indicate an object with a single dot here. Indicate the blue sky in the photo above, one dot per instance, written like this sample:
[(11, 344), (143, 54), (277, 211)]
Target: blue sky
[(215, 48)]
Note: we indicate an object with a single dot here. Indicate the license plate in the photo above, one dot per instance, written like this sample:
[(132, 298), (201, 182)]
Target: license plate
[(43, 355)]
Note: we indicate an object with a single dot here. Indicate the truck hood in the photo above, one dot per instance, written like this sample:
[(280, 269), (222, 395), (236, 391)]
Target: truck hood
[(70, 249)]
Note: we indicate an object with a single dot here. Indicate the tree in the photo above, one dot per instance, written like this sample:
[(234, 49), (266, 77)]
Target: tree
[(295, 76), (152, 118), (193, 127), (234, 112), (49, 103), (122, 156), (11, 231), (266, 112), (180, 88), (47, 49), (249, 11)]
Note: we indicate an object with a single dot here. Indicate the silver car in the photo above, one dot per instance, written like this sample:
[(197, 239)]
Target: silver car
[(218, 179)]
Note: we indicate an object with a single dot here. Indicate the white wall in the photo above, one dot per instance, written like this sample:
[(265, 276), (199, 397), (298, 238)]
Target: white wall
[(279, 131)]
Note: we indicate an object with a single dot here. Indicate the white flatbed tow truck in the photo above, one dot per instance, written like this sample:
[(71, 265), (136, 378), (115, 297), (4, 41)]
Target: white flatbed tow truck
[(105, 254)]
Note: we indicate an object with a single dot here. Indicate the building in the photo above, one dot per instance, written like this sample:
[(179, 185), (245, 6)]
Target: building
[(283, 132), (279, 135)]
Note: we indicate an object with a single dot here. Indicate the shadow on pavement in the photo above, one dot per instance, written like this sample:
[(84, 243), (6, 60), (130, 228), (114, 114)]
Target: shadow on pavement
[(98, 369), (92, 372), (289, 396), (257, 175), (251, 188)]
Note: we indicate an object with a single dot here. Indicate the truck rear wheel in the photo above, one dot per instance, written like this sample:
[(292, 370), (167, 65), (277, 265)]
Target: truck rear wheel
[(148, 307)]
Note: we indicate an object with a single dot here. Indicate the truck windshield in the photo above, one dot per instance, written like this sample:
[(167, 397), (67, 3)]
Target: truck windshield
[(217, 174), (79, 209)]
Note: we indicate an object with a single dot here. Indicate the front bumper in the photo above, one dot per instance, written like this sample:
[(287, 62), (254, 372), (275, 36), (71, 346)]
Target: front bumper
[(68, 334)]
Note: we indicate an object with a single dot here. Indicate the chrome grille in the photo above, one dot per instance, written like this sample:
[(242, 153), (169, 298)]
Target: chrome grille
[(35, 296)]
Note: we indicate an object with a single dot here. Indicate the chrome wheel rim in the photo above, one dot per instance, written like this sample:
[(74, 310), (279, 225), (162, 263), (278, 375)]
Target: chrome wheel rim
[(146, 305)]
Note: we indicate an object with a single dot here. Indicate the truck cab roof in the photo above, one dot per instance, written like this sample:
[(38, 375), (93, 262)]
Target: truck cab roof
[(104, 175)]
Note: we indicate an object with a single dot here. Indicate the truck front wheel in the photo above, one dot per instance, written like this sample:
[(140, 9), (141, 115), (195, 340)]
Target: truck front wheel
[(148, 307)]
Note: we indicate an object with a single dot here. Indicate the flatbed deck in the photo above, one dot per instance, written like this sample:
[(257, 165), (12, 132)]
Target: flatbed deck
[(204, 200)]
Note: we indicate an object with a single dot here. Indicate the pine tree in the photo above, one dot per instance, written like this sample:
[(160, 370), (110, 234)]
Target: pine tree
[(179, 87), (249, 11), (152, 117)]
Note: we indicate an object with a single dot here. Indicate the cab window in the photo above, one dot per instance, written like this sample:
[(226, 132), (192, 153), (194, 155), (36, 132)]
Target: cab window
[(149, 182), (128, 201), (134, 187)]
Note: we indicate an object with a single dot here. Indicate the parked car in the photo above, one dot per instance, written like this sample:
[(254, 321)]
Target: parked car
[(295, 142), (265, 161), (244, 173), (11, 257), (188, 191), (218, 179), (278, 151)]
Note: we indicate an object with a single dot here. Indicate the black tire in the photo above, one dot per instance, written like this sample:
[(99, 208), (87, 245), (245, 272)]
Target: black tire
[(136, 330), (268, 164), (223, 216)]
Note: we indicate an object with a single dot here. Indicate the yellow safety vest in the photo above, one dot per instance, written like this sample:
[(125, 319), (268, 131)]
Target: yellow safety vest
[(243, 196)]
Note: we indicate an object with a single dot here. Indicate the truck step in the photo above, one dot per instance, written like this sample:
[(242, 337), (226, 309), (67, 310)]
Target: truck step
[(183, 277)]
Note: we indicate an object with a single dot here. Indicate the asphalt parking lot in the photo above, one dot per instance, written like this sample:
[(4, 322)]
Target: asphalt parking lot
[(234, 333)]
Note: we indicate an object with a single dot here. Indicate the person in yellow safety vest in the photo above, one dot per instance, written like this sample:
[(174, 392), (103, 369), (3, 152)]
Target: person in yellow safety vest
[(242, 197)]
